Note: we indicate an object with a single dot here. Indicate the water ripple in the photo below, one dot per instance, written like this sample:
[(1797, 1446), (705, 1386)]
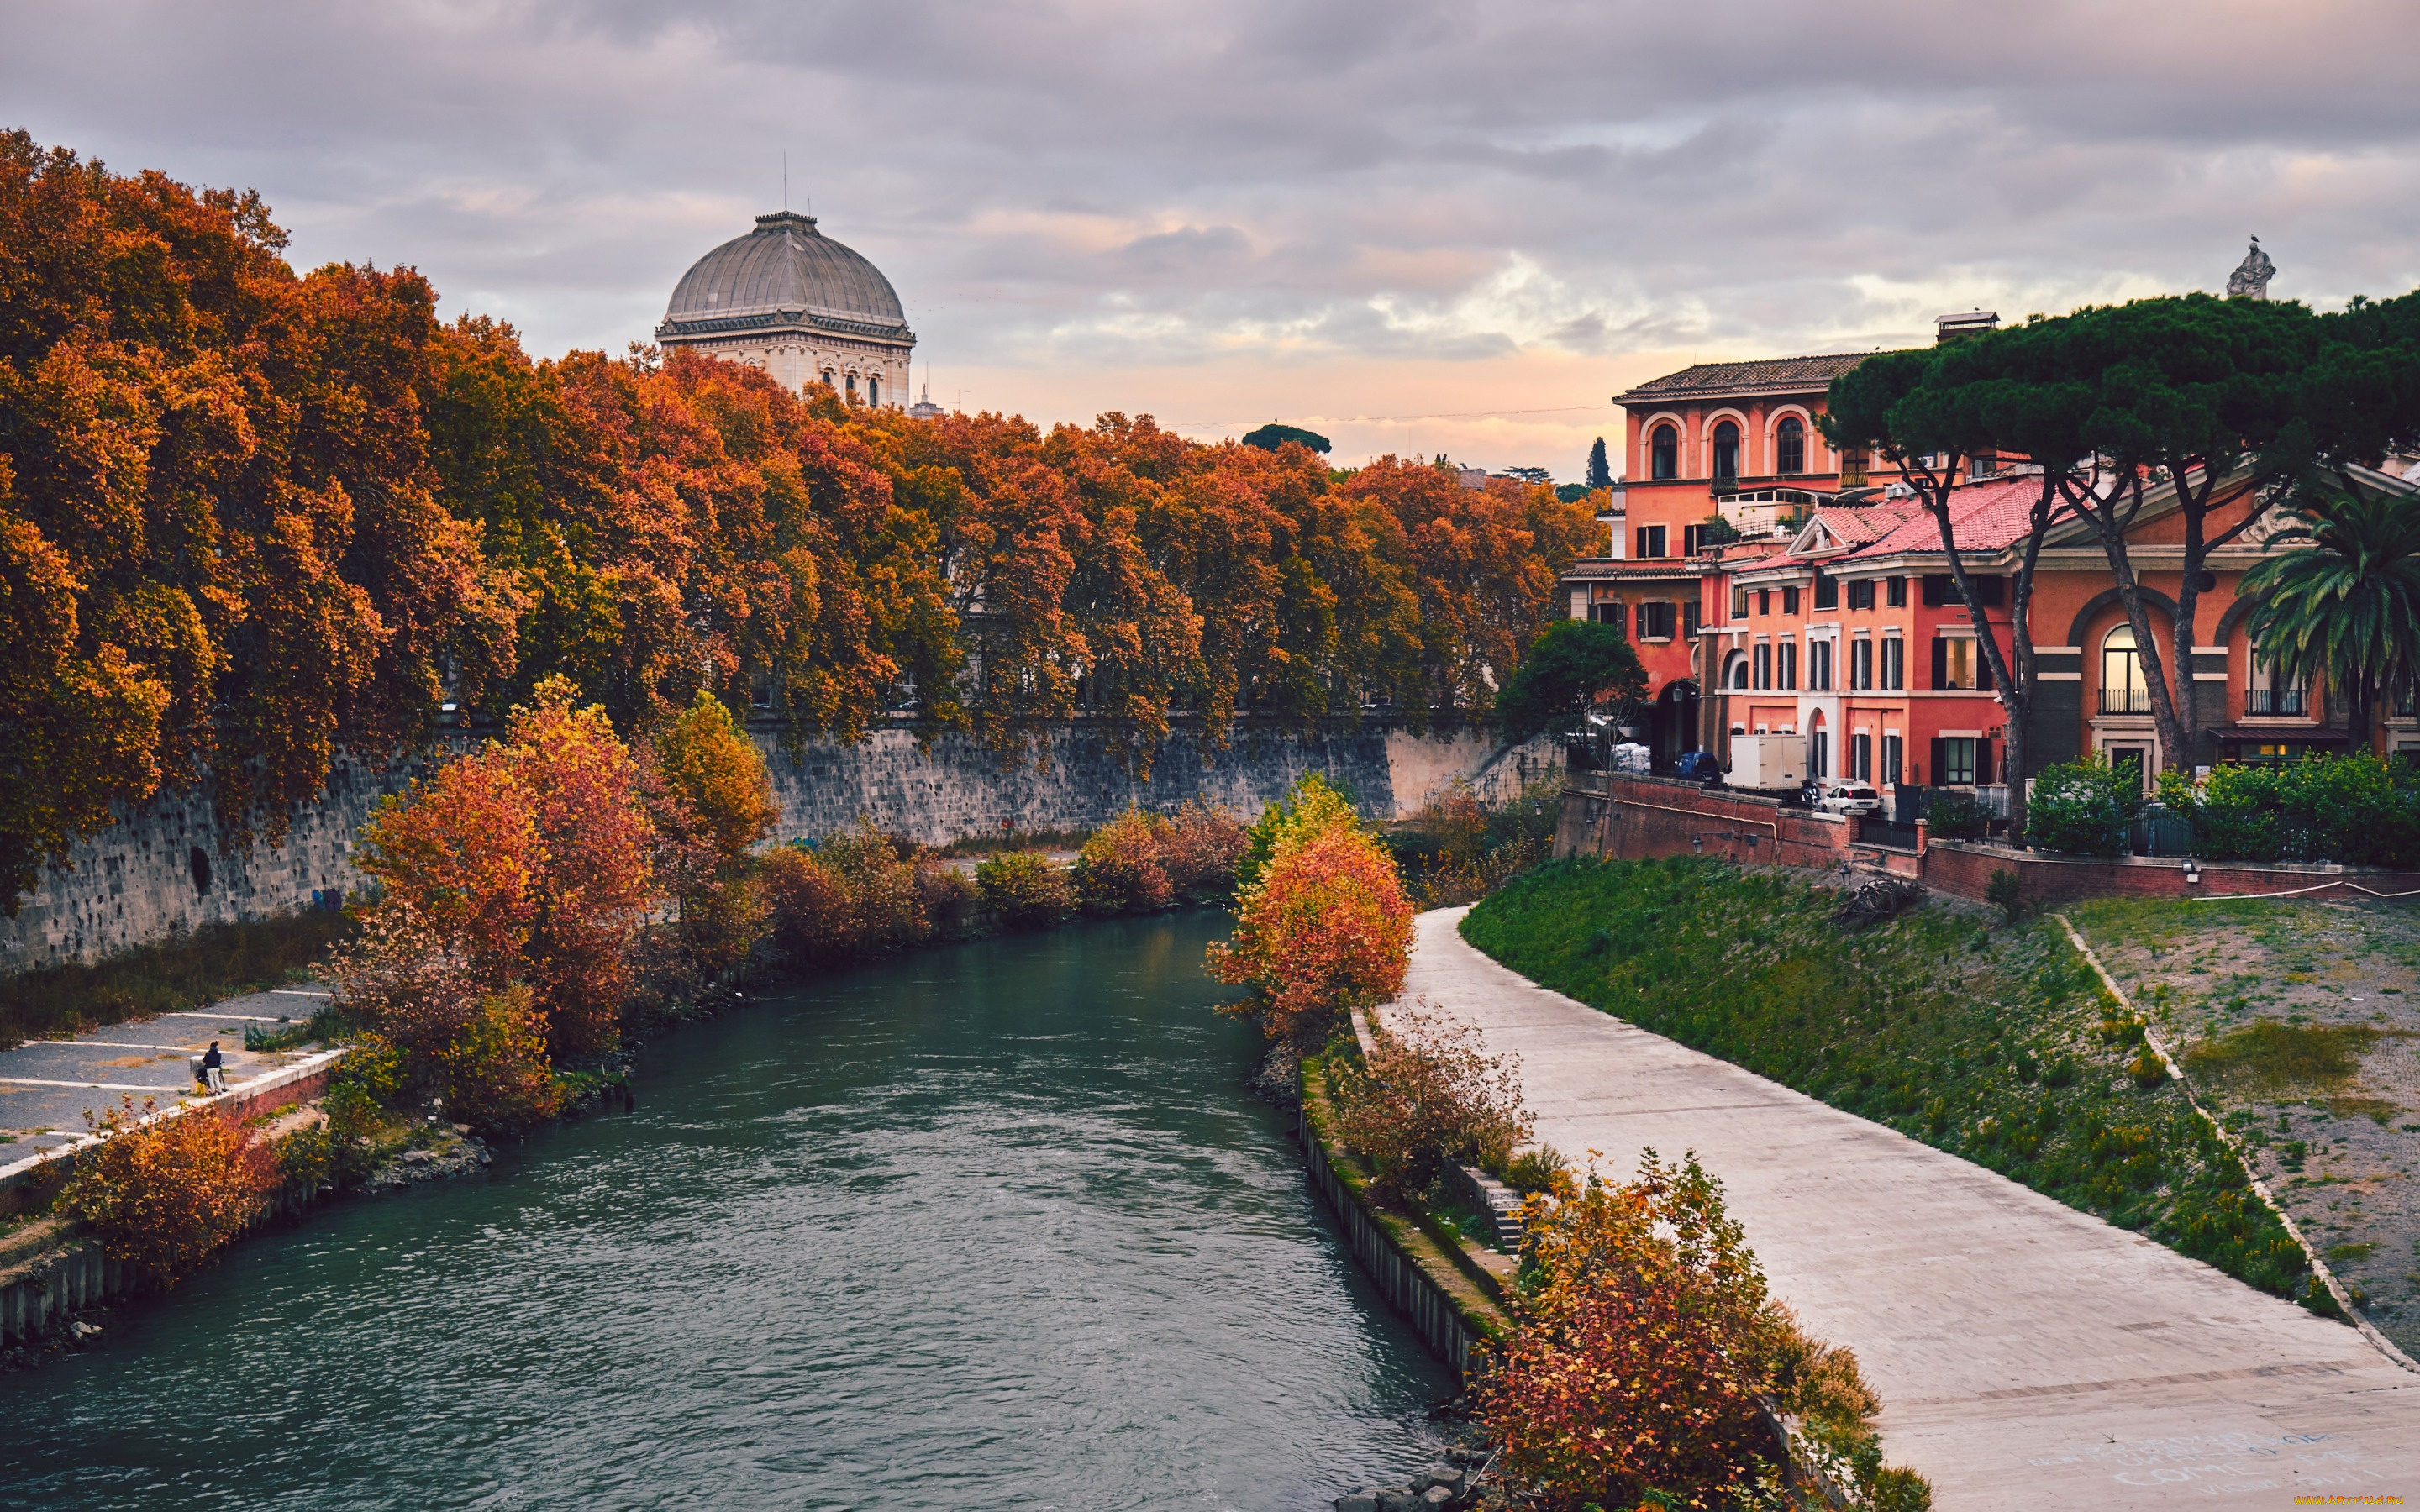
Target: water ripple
[(991, 1227)]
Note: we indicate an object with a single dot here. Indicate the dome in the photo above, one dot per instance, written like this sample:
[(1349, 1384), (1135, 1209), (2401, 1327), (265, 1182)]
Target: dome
[(783, 273)]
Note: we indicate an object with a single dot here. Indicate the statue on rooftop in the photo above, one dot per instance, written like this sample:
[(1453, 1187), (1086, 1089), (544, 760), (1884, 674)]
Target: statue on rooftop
[(2250, 280)]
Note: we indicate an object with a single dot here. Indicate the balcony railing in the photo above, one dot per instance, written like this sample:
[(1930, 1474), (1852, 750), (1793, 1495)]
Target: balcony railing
[(2274, 701), (2125, 701)]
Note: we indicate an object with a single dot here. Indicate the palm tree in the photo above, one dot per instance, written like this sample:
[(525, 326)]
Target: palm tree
[(2344, 605)]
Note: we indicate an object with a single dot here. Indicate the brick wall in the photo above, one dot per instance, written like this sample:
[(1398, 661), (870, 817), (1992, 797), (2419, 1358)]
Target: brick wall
[(1635, 817)]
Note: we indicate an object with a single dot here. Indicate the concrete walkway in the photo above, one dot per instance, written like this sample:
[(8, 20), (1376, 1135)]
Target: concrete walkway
[(2027, 1356), (47, 1087)]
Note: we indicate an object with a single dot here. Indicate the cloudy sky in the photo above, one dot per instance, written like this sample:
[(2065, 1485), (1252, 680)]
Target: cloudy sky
[(1414, 226)]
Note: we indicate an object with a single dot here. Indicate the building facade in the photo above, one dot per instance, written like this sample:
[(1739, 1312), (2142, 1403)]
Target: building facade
[(1776, 588), (791, 301)]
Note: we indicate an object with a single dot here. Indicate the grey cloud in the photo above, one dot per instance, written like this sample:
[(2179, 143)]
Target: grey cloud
[(1167, 182)]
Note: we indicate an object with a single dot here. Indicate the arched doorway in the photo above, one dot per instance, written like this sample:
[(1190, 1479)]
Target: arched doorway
[(1672, 723)]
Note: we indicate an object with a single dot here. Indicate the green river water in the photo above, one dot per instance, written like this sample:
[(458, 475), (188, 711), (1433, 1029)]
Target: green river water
[(990, 1227)]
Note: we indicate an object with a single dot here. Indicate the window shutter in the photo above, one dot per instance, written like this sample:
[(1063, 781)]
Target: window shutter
[(1940, 668), (1982, 670), (1938, 753), (1982, 764)]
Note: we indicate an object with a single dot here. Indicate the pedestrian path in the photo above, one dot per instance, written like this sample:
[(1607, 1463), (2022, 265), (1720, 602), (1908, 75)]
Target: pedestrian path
[(47, 1087), (2027, 1356)]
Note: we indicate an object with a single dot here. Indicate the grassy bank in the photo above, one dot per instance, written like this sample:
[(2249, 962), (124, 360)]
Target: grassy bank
[(1996, 1044), (185, 970)]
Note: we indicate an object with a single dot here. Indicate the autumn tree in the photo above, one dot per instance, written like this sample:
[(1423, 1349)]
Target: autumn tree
[(220, 548), (1323, 927)]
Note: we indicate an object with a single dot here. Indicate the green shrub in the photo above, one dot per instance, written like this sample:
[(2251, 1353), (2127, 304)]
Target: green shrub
[(2359, 809), (2006, 893), (1956, 815), (2084, 808), (1543, 1170), (1024, 891)]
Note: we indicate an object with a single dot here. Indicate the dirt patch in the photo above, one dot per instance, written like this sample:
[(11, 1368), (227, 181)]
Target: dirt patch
[(2299, 1024)]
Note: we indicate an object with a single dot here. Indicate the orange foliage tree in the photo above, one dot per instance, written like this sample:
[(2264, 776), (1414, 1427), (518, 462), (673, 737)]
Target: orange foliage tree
[(528, 860), (166, 1194), (1323, 929), (1641, 1347), (247, 516)]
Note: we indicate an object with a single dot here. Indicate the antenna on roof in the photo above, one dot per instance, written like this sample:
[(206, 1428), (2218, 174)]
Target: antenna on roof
[(786, 180)]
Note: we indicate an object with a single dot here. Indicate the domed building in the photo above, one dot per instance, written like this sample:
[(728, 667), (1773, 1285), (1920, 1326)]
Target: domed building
[(791, 301)]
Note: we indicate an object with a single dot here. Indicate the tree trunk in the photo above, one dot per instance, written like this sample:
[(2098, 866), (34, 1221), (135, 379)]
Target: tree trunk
[(2146, 645)]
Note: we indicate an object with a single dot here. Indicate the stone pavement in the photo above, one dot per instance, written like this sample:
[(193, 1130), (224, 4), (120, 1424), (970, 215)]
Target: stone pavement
[(2027, 1356), (48, 1085)]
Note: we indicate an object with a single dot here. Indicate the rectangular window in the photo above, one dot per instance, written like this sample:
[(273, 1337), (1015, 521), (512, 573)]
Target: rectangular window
[(1890, 759), (1611, 612), (1819, 753), (1861, 593), (1827, 591), (1689, 618), (1651, 541), (1789, 665), (1738, 603), (1764, 666), (1953, 663), (1955, 761), (1861, 665), (1895, 594), (1861, 757), (1940, 589), (1853, 467), (1789, 601), (1819, 666), (1655, 621), (1895, 665), (1765, 601)]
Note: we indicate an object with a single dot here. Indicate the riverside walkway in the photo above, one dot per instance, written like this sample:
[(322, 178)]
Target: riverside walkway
[(48, 1087), (2027, 1356)]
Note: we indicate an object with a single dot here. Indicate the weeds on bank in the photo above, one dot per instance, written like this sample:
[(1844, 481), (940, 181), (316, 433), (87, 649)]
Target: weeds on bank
[(1998, 1047), (2273, 1061), (185, 970)]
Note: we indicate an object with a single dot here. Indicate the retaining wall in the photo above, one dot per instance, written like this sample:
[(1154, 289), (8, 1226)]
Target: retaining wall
[(1612, 815), (168, 864), (1444, 1305)]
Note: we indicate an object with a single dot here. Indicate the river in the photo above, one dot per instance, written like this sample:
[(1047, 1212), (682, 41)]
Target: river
[(989, 1227)]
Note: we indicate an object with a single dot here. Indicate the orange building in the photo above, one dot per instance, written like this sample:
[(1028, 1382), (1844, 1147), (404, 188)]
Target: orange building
[(1774, 588)]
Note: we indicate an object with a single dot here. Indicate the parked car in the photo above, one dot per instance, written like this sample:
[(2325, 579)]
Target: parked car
[(1850, 799), (1700, 767)]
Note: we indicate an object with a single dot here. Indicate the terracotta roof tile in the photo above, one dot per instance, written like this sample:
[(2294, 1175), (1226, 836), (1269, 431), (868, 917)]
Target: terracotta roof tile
[(1786, 373)]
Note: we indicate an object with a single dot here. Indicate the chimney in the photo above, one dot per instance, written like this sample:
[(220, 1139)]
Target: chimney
[(1949, 328)]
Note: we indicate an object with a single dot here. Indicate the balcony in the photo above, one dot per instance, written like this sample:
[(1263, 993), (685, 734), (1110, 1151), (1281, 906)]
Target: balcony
[(2125, 701), (2277, 702)]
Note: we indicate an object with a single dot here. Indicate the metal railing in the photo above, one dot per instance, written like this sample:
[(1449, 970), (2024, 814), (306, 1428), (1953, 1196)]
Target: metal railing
[(2125, 701), (2276, 701)]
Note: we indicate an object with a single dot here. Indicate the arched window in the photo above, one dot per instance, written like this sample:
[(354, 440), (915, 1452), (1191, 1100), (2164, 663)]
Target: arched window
[(1790, 445), (1726, 437), (852, 385), (2123, 689), (1738, 678), (827, 375), (1664, 452), (874, 389), (2269, 693)]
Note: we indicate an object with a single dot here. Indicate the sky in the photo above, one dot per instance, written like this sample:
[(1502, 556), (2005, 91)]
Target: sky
[(1414, 227)]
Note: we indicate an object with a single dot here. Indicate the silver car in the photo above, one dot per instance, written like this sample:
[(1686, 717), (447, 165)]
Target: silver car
[(1850, 799)]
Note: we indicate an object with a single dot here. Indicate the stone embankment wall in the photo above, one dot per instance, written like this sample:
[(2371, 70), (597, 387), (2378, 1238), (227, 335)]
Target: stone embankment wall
[(1610, 815), (168, 865)]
